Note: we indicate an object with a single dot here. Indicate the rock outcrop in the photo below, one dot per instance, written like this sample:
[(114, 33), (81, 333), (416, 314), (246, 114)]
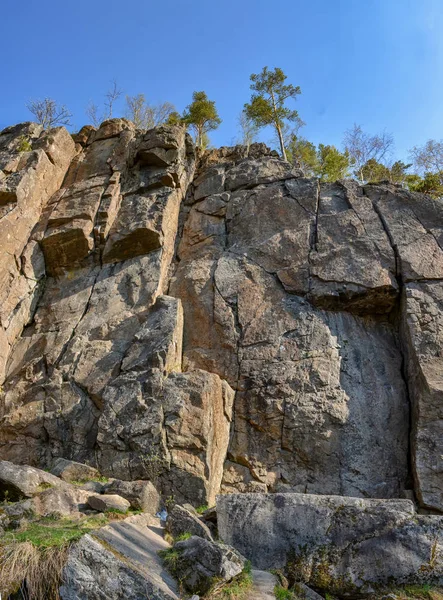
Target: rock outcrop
[(216, 322), (96, 375), (344, 546)]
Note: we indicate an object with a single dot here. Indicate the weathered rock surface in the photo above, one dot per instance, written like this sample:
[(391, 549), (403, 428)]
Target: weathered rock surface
[(125, 566), (17, 482), (182, 521), (106, 502), (141, 495), (69, 470), (202, 565), (345, 546), (233, 326)]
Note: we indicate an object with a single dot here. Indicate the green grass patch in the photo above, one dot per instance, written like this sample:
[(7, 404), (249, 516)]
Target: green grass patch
[(50, 532), (239, 587), (283, 594), (202, 509), (100, 479), (418, 592), (182, 537), (170, 557)]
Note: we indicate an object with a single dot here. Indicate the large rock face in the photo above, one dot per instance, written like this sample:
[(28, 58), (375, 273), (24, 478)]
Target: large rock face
[(344, 546), (227, 325)]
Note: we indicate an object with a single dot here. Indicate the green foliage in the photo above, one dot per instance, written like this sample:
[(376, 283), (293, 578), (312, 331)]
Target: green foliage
[(201, 509), (23, 144), (202, 116), (239, 587), (170, 557), (302, 151), (101, 479), (430, 184), (267, 105), (175, 118), (183, 537), (332, 164), (49, 532), (282, 594)]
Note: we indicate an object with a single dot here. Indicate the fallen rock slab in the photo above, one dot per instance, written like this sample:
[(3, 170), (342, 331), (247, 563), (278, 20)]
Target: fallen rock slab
[(94, 572), (181, 520), (141, 495), (202, 564), (108, 502), (69, 470), (21, 481), (341, 545)]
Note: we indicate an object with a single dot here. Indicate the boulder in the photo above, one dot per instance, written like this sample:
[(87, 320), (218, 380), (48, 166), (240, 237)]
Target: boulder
[(142, 495), (109, 502), (94, 572), (340, 545), (69, 470), (22, 481), (69, 501), (202, 564), (180, 521)]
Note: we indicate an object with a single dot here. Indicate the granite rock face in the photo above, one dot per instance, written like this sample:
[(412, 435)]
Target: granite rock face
[(344, 546), (216, 324)]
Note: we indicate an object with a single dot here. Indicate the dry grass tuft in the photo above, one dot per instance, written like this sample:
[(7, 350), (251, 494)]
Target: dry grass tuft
[(41, 568)]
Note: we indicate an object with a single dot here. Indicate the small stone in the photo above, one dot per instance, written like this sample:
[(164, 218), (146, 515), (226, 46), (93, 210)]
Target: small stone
[(109, 502)]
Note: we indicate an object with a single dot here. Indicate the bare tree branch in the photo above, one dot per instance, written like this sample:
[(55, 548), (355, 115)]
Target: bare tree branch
[(48, 113)]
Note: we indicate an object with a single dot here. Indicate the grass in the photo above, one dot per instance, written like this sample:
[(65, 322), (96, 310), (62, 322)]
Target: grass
[(283, 594), (42, 569), (100, 479), (182, 537), (201, 509), (37, 554), (49, 532), (420, 592), (238, 588), (170, 557)]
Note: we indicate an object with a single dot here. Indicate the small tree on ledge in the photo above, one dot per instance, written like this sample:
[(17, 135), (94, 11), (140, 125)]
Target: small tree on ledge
[(48, 113), (267, 106), (202, 116)]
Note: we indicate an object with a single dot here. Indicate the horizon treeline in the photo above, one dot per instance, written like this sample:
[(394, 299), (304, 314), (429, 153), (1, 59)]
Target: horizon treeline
[(366, 157)]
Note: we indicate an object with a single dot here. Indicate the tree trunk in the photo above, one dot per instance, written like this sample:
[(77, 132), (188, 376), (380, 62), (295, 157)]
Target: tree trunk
[(282, 146)]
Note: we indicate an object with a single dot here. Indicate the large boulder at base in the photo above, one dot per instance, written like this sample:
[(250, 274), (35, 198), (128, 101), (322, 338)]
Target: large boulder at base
[(69, 470), (202, 564), (66, 501), (142, 495), (21, 481), (181, 520), (108, 502), (344, 546), (94, 572)]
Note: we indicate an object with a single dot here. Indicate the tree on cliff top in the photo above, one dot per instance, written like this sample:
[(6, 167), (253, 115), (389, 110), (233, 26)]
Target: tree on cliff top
[(145, 116), (267, 105), (112, 96), (48, 113), (202, 116), (363, 147)]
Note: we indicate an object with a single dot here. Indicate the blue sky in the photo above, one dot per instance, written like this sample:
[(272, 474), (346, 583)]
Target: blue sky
[(378, 63)]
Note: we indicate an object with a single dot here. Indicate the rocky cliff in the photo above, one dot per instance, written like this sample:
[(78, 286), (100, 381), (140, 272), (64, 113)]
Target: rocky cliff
[(217, 322)]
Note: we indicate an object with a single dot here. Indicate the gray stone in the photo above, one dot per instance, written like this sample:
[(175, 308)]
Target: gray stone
[(69, 470), (109, 502), (202, 564), (181, 521), (94, 572), (142, 495), (21, 481), (338, 545)]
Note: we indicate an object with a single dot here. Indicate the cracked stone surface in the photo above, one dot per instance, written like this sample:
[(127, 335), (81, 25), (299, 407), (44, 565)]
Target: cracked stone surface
[(217, 322)]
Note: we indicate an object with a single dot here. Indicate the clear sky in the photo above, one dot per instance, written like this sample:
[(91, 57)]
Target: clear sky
[(378, 63)]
